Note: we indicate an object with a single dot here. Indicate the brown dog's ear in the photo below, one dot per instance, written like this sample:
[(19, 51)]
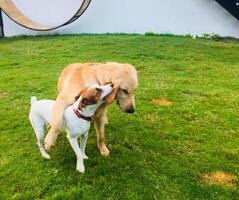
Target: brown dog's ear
[(110, 98)]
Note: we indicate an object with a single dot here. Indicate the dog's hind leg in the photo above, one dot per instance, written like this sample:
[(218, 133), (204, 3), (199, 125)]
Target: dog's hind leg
[(38, 127), (40, 139)]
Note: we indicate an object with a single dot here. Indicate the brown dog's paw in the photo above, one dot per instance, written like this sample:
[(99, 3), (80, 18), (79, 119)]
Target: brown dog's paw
[(104, 150), (49, 142)]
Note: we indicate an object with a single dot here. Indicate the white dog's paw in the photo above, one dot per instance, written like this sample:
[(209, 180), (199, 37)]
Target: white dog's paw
[(47, 156), (85, 156), (80, 166), (82, 171)]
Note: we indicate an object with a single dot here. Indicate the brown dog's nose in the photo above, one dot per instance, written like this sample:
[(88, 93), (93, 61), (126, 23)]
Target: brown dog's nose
[(130, 110)]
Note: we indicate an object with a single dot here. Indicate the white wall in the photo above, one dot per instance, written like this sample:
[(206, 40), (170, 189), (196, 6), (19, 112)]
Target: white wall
[(130, 16)]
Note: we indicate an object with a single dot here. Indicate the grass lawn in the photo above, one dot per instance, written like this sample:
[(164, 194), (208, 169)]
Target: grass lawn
[(160, 152)]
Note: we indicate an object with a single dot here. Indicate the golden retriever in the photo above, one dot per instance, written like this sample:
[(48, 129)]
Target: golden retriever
[(77, 76)]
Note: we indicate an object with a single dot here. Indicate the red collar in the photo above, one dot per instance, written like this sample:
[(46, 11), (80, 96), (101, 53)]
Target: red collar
[(79, 115)]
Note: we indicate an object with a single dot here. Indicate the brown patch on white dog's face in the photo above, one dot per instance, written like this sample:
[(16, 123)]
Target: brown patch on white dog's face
[(220, 178), (162, 102), (90, 97)]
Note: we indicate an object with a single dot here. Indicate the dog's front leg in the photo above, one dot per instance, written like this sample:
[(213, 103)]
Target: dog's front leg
[(83, 141), (80, 163), (100, 121), (61, 103)]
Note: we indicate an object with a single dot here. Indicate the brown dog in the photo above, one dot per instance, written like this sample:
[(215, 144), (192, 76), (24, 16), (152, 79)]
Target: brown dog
[(77, 76)]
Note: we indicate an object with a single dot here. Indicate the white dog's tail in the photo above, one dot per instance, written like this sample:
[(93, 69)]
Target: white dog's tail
[(33, 100)]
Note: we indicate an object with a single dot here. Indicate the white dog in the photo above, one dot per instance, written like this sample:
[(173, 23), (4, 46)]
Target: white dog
[(76, 119)]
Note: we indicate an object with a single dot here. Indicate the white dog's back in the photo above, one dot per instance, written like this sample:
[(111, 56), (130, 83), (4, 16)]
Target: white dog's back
[(42, 108)]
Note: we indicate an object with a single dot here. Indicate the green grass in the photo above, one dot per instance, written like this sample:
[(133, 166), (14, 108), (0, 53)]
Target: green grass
[(156, 153)]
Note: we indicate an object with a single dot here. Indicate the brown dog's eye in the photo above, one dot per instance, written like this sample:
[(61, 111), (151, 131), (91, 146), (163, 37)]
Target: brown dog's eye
[(125, 91)]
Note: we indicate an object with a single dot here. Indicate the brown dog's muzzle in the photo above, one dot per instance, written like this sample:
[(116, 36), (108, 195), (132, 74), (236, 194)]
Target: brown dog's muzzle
[(130, 109)]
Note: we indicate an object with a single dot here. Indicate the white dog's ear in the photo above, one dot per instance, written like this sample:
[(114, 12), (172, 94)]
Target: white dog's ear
[(83, 103), (80, 93), (77, 97)]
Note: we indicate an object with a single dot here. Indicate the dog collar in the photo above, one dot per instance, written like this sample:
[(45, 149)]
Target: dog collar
[(79, 115)]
